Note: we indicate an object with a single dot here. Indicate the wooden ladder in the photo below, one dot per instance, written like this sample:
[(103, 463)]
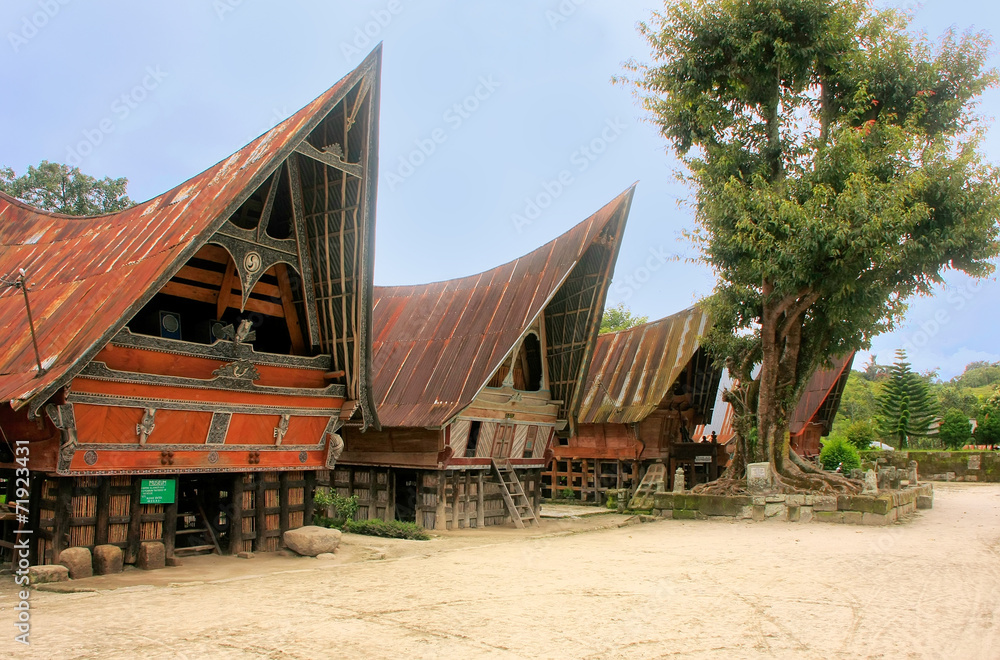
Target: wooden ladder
[(513, 493), (203, 526)]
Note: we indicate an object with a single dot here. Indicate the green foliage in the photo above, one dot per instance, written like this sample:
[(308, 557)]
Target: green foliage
[(620, 317), (343, 508), (988, 429), (836, 168), (978, 374), (956, 430), (611, 503), (838, 452), (567, 494), (906, 407), (392, 529), (64, 189), (861, 434), (957, 397), (859, 402)]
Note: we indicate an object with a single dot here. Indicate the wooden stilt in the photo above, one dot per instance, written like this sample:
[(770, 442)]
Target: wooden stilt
[(236, 521), (480, 511), (308, 494), (101, 524), (466, 498), (170, 522), (63, 513), (134, 523), (283, 503), (439, 521), (455, 479), (260, 513)]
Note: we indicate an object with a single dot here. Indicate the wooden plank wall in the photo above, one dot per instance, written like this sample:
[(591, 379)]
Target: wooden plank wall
[(372, 485), (465, 499), (91, 511), (589, 479)]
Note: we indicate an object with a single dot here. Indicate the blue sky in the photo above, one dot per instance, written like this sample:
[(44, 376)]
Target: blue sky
[(158, 91)]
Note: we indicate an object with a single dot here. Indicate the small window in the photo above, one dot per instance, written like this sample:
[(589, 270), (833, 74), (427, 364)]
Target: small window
[(529, 442), (473, 443)]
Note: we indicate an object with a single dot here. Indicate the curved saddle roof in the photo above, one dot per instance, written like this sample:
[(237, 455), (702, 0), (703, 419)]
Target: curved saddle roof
[(437, 345), (88, 276)]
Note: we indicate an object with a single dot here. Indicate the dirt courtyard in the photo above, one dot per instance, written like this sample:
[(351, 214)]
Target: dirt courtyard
[(574, 588)]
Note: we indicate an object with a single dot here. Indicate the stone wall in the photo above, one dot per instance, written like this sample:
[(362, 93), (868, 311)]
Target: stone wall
[(942, 465), (882, 509)]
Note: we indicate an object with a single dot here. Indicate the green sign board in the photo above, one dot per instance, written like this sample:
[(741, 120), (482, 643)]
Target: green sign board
[(157, 491)]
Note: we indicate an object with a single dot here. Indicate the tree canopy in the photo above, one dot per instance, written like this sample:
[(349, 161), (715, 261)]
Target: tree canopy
[(906, 406), (620, 317), (835, 163), (64, 189)]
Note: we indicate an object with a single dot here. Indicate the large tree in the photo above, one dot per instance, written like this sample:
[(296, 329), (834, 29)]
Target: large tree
[(619, 318), (907, 409), (835, 164), (64, 189)]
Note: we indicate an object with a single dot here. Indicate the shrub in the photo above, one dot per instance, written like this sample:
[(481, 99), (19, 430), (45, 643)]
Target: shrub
[(392, 529), (956, 430), (839, 452), (567, 494), (861, 434), (344, 508)]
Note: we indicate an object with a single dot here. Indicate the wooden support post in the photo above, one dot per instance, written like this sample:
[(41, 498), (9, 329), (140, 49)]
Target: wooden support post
[(170, 521), (456, 477), (309, 504), (63, 513), (134, 523), (102, 525), (439, 522), (537, 498), (36, 482), (372, 495), (236, 520), (584, 475), (260, 498), (480, 511), (283, 503), (467, 499)]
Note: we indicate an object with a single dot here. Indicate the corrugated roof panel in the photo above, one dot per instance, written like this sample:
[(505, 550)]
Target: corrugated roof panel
[(473, 325)]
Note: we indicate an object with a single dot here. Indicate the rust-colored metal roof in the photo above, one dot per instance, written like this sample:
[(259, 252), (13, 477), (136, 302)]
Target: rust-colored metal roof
[(633, 370), (89, 275), (822, 395), (437, 345)]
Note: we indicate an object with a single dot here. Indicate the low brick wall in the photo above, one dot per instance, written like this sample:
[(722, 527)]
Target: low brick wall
[(882, 509), (942, 465)]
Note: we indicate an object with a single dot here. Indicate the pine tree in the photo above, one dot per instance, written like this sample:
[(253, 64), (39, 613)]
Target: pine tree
[(906, 406)]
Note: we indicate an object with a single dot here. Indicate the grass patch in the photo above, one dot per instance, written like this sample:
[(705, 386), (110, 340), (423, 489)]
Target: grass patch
[(392, 529)]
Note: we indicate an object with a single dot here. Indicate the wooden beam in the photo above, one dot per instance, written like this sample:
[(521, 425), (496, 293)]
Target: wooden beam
[(305, 261), (260, 500), (291, 314), (265, 214), (63, 514), (225, 292), (306, 149), (283, 503)]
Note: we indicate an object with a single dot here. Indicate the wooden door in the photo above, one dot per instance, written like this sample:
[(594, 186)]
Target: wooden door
[(502, 440)]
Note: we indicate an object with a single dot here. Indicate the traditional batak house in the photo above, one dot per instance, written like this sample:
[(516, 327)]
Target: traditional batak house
[(813, 417), (473, 377), (649, 388), (197, 354), (654, 400)]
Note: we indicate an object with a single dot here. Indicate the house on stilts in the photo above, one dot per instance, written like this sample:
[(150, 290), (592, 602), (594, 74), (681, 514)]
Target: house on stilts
[(474, 377), (653, 402), (198, 353)]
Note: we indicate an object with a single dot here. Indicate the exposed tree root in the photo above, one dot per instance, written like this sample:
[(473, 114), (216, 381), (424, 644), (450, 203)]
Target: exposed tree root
[(797, 477)]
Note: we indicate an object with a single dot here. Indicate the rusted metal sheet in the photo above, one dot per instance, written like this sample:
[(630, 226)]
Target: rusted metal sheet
[(437, 345), (821, 398), (632, 370), (89, 275)]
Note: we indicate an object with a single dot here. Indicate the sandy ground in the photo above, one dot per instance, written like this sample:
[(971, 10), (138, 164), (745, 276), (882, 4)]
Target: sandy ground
[(573, 588)]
